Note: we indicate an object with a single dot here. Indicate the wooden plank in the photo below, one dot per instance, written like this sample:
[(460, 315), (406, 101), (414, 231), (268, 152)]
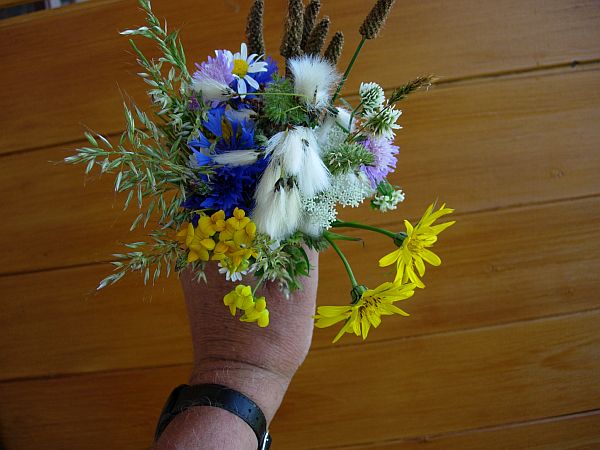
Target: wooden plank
[(539, 146), (84, 84), (578, 431), (9, 3), (389, 390), (498, 267)]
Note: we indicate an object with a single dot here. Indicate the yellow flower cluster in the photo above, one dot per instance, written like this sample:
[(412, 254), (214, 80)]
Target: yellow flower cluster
[(415, 247), (255, 310), (228, 241)]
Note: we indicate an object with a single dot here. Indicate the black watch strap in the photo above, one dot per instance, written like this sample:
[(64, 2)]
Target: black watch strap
[(185, 396)]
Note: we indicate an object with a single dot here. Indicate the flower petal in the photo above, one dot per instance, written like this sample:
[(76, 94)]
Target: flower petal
[(390, 258), (431, 257)]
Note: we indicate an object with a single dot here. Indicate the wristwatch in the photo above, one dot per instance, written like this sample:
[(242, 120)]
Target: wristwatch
[(186, 396)]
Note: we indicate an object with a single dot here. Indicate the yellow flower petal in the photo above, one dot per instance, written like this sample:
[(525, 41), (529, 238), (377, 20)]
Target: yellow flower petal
[(390, 258)]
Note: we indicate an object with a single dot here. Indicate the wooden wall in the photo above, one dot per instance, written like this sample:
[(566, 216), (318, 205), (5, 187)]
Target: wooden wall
[(501, 350)]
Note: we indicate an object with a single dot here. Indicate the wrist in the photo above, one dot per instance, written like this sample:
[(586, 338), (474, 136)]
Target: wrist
[(263, 386)]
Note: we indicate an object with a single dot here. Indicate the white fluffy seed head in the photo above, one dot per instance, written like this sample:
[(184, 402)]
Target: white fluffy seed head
[(212, 90), (298, 153), (314, 79), (343, 118), (267, 183), (314, 177), (279, 212), (236, 158)]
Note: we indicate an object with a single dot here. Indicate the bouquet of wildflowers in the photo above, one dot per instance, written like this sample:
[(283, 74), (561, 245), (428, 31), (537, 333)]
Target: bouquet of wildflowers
[(244, 164)]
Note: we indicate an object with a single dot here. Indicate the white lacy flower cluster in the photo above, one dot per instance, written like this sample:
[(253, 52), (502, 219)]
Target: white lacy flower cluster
[(347, 189)]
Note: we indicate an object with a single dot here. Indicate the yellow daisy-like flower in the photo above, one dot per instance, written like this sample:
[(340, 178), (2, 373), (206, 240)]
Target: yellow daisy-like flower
[(197, 242), (255, 310), (415, 247), (367, 311)]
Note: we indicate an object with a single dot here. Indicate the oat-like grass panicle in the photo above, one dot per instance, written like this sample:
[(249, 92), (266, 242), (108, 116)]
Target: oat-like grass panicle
[(254, 28), (372, 25), (292, 35), (311, 12), (334, 49), (316, 41), (422, 82)]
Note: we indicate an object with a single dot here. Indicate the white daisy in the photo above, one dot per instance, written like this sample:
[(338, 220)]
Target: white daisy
[(244, 67)]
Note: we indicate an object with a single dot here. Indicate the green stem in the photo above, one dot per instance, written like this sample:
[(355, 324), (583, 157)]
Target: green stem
[(352, 137), (328, 238), (354, 111), (348, 69), (258, 283), (342, 224)]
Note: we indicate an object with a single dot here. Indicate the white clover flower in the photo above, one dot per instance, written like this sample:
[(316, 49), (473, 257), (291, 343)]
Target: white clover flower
[(371, 96), (383, 123), (314, 79), (387, 202)]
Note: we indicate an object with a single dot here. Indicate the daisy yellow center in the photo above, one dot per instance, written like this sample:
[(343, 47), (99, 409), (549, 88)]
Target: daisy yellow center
[(240, 67)]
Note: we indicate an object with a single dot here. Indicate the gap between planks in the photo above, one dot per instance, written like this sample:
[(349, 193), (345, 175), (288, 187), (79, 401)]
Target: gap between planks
[(463, 330), (382, 223), (440, 436), (445, 83)]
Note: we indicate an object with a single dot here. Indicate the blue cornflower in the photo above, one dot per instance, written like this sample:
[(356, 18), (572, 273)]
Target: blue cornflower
[(231, 186)]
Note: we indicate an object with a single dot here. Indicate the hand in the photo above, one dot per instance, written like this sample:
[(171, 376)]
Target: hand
[(259, 362)]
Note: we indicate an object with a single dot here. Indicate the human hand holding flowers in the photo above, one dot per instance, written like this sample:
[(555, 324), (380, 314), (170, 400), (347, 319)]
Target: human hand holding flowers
[(258, 362)]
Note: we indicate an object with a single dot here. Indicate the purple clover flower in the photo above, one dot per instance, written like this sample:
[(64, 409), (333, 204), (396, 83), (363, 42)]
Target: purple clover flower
[(385, 153)]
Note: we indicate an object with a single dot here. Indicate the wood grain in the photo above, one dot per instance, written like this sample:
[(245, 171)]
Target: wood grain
[(502, 348), (539, 147), (571, 432), (388, 390), (49, 96), (498, 267)]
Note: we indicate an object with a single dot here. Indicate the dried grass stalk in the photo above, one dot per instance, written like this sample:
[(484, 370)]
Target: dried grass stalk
[(316, 40), (254, 28), (373, 23)]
